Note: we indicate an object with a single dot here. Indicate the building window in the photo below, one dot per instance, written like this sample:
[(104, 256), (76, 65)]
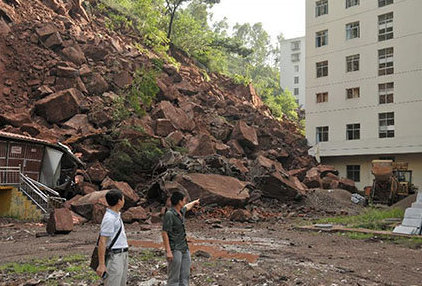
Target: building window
[(382, 3), (352, 63), (385, 27), (352, 30), (322, 97), (350, 3), (296, 57), (322, 134), (295, 45), (353, 172), (385, 61), (296, 79), (353, 131), (296, 68), (386, 124), (321, 38), (322, 69), (321, 8), (353, 92), (386, 92), (296, 91)]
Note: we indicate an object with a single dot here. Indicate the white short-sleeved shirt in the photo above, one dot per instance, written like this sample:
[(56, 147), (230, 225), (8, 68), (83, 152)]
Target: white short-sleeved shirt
[(110, 226)]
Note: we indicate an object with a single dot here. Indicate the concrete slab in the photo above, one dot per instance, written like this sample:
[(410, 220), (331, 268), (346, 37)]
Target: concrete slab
[(406, 230), (419, 197), (414, 222), (413, 213), (417, 205)]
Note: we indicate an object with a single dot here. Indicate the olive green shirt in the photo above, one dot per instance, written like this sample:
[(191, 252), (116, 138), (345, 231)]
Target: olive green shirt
[(174, 225)]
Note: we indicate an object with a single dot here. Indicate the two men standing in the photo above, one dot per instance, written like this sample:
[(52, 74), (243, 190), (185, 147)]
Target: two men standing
[(113, 246)]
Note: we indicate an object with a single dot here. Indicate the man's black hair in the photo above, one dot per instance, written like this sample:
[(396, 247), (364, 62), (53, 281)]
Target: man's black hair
[(176, 197), (113, 196)]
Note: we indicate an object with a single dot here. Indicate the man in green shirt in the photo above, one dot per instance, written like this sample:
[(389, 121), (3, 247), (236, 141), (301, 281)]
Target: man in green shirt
[(174, 239)]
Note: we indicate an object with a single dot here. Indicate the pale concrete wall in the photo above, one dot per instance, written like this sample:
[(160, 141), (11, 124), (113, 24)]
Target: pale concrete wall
[(287, 72), (339, 111)]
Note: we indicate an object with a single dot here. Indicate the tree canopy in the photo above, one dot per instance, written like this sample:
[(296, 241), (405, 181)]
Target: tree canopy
[(243, 52)]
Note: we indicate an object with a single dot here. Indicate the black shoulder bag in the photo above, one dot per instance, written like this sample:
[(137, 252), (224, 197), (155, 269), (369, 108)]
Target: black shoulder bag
[(94, 257)]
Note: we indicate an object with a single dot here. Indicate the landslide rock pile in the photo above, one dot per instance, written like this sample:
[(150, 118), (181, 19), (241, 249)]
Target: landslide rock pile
[(63, 77)]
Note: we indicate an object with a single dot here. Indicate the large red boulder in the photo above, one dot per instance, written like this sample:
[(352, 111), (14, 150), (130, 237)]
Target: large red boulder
[(58, 106), (60, 221), (177, 116), (312, 178), (135, 214), (274, 181), (97, 172), (15, 119), (245, 135), (212, 188), (91, 206), (163, 127), (201, 145), (347, 184), (131, 198)]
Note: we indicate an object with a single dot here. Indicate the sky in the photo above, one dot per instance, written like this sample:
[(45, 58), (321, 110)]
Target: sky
[(277, 16)]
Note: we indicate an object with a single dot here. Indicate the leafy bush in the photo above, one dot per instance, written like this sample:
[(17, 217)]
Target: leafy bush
[(143, 90), (128, 160)]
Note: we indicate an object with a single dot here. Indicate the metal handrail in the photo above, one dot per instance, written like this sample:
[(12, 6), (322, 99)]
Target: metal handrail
[(33, 200), (9, 175), (34, 193), (40, 185), (34, 188)]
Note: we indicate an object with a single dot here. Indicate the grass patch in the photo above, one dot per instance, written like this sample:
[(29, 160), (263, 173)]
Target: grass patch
[(411, 242), (371, 219), (25, 268), (76, 265)]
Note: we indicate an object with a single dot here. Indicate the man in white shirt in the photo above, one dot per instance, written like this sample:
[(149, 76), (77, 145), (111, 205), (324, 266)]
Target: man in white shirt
[(113, 268)]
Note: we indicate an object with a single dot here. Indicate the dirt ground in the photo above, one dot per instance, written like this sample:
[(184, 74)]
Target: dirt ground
[(227, 253)]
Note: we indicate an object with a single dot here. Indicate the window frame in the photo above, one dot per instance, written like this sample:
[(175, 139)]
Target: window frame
[(296, 68), (386, 93), (353, 172), (296, 80), (385, 27), (352, 3), (295, 57), (386, 61), (386, 119), (296, 91), (353, 63), (352, 92), (382, 3), (321, 38), (321, 8), (321, 69), (322, 134), (295, 45), (353, 131), (321, 97), (352, 30)]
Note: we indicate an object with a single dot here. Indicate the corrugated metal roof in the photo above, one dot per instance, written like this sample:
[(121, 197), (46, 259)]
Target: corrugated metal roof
[(56, 145), (25, 138)]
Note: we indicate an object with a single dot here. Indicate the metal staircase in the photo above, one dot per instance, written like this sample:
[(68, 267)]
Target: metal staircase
[(42, 196)]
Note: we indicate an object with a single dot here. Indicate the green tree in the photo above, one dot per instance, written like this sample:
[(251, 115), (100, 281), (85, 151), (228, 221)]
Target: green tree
[(284, 103), (172, 7)]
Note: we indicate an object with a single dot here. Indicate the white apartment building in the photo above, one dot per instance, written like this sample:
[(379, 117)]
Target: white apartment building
[(292, 68), (364, 84)]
